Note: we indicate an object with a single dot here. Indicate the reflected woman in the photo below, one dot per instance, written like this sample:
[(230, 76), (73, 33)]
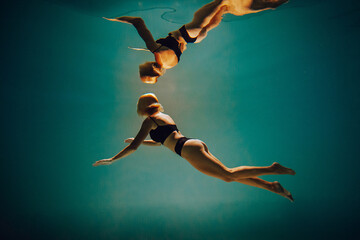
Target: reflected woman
[(167, 51), (163, 130)]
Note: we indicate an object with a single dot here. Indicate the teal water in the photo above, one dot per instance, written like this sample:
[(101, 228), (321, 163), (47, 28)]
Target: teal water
[(275, 86)]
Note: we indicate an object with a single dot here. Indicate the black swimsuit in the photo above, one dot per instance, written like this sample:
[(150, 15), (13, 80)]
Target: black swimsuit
[(186, 36), (160, 134), (173, 44)]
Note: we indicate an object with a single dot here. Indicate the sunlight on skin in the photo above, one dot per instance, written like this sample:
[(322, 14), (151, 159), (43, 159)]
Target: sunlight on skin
[(205, 19), (283, 192), (242, 7)]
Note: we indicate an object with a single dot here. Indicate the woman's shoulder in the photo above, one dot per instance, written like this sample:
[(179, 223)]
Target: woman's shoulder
[(162, 119)]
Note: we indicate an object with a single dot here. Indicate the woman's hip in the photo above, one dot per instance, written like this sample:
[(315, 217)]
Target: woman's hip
[(191, 145)]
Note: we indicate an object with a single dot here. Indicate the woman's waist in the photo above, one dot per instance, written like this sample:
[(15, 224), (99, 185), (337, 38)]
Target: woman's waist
[(178, 37), (172, 139), (172, 47)]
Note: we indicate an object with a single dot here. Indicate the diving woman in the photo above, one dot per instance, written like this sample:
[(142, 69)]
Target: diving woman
[(167, 51), (163, 130)]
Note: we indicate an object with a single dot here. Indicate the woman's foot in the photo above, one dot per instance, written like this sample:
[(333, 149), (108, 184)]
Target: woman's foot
[(278, 189), (279, 169)]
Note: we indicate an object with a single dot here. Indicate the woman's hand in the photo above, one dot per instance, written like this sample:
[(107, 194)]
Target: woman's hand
[(129, 140), (107, 161), (131, 148), (111, 19)]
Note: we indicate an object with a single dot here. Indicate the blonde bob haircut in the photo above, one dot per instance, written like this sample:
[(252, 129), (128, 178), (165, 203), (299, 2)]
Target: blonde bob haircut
[(148, 104), (150, 72)]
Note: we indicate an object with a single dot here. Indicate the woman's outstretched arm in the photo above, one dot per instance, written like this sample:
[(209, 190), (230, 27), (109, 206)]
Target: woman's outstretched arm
[(141, 28), (145, 142), (140, 137)]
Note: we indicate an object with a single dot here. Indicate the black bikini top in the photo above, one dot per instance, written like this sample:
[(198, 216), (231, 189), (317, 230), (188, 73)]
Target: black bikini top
[(160, 133), (171, 43)]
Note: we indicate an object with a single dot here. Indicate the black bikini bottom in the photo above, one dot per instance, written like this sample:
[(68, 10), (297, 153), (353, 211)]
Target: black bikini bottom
[(172, 43), (180, 143), (186, 36)]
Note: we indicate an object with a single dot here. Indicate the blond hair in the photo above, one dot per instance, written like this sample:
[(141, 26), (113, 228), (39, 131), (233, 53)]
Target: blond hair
[(148, 104), (149, 72)]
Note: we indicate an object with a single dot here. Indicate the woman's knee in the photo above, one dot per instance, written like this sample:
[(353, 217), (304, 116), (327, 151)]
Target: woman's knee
[(221, 2), (228, 179), (204, 14), (227, 176)]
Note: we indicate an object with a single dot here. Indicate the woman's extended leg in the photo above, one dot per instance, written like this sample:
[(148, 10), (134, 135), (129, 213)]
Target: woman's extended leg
[(242, 7), (203, 17), (249, 171), (274, 187), (215, 21), (197, 154), (266, 4), (209, 16)]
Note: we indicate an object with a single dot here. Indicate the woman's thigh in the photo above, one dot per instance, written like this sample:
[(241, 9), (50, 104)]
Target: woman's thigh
[(202, 17), (197, 154)]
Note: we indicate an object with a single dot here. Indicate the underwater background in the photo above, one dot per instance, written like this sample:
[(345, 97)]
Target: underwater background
[(279, 86)]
